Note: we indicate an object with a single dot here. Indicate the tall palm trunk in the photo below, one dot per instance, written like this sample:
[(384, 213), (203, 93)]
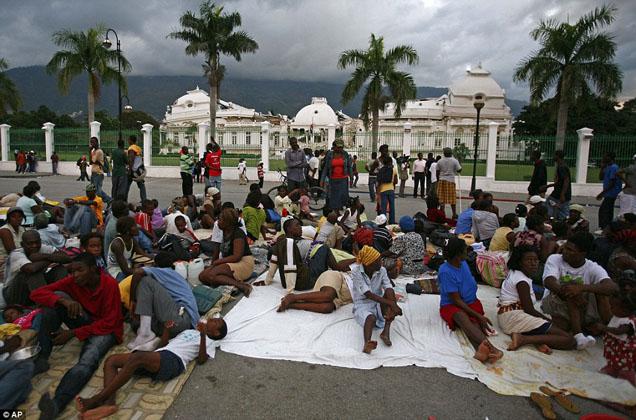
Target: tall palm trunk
[(375, 129), (562, 122), (212, 82), (91, 102)]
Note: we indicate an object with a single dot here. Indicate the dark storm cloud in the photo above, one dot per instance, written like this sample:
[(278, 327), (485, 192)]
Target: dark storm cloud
[(301, 40)]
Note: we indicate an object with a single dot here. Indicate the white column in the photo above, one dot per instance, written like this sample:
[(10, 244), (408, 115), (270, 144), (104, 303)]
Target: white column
[(406, 139), (491, 160), (265, 145), (147, 130), (95, 129), (331, 134), (583, 154), (48, 139), (202, 137), (4, 144)]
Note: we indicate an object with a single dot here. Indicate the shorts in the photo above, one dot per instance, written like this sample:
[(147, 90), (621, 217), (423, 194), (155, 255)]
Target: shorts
[(447, 312), (170, 366), (446, 193), (243, 269), (335, 280), (554, 306), (542, 330)]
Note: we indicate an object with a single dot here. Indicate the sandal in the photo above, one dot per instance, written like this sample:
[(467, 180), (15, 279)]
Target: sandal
[(561, 399), (545, 404)]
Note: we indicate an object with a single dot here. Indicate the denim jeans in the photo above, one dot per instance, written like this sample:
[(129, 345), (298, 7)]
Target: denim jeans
[(98, 181), (15, 382), (93, 350), (557, 210), (372, 181), (79, 218), (388, 198), (214, 181)]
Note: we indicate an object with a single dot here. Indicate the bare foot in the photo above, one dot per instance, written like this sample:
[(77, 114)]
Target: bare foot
[(386, 339), (494, 354), (370, 346), (99, 412), (517, 341), (284, 304), (247, 290), (544, 348), (482, 352)]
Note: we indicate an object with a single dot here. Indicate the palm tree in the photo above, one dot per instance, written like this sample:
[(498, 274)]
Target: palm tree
[(9, 95), (213, 34), (378, 69), (571, 58), (84, 53)]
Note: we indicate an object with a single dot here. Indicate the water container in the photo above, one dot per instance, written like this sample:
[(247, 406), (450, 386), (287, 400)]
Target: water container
[(195, 268), (181, 267)]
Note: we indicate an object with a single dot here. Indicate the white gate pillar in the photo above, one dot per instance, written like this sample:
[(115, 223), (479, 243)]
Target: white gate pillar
[(202, 137), (95, 129), (491, 159), (4, 144), (265, 145), (147, 130), (406, 139), (583, 154), (48, 139)]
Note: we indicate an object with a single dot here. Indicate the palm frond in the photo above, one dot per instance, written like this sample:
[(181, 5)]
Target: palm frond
[(402, 54), (351, 58), (402, 87), (353, 85), (599, 17)]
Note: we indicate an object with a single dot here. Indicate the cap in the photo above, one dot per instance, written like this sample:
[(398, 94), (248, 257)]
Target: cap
[(338, 143), (380, 220), (213, 191), (91, 187), (577, 207), (536, 199), (15, 209)]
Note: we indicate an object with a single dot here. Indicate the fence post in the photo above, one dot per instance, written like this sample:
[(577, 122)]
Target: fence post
[(48, 139), (331, 134), (202, 137), (491, 159), (147, 130), (95, 129), (265, 145), (4, 144), (406, 139), (583, 153)]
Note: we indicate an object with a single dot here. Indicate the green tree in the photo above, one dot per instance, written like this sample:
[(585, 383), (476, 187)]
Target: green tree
[(571, 58), (213, 33), (9, 95), (378, 69), (84, 53)]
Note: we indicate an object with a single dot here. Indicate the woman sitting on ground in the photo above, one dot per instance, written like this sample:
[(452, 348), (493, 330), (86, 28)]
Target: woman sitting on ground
[(10, 235), (237, 263), (534, 236), (459, 305), (351, 217), (504, 236), (29, 206), (119, 262), (254, 217), (409, 247), (624, 256), (517, 316), (435, 214), (485, 222)]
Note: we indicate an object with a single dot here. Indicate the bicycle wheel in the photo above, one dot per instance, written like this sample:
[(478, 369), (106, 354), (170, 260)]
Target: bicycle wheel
[(273, 192), (317, 198)]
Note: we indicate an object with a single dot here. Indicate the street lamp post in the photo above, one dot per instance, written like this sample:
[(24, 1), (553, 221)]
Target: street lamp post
[(107, 43), (478, 102)]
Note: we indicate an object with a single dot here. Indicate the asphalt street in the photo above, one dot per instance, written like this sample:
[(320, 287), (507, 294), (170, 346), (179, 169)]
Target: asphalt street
[(232, 386)]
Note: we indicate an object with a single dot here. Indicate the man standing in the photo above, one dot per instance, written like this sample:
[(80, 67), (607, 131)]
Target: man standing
[(419, 174), (558, 203), (405, 166), (136, 169), (448, 168), (119, 179), (539, 174), (296, 164), (429, 161), (213, 165), (55, 159), (313, 169), (433, 173), (611, 188), (97, 168), (372, 168), (627, 197), (89, 303)]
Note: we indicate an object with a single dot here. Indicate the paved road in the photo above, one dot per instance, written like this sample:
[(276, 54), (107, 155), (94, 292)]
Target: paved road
[(232, 386)]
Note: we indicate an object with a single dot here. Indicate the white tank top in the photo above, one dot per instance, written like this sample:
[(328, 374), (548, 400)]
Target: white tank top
[(112, 266)]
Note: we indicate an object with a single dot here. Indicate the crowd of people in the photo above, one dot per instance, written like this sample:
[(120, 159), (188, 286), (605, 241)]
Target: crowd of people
[(122, 267)]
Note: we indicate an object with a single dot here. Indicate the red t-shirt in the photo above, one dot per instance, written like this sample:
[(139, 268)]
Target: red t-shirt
[(144, 221), (337, 168), (213, 162)]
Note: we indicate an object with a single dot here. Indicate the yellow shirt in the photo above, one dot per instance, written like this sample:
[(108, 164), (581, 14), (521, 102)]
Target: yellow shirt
[(499, 242), (389, 185), (98, 208)]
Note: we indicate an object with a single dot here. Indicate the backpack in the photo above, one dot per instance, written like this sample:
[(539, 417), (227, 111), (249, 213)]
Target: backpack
[(385, 174), (440, 236)]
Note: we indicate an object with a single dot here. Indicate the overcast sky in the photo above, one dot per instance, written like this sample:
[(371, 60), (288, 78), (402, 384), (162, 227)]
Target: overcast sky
[(301, 40)]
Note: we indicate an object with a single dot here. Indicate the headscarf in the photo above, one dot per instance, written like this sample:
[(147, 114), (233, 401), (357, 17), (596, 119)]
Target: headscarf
[(363, 236), (407, 224), (367, 255)]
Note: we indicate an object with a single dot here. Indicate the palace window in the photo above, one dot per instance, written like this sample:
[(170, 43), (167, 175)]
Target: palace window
[(248, 138), (234, 137)]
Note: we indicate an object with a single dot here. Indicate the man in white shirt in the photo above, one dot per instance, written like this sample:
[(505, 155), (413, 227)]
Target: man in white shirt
[(434, 172), (313, 169), (419, 174), (579, 289), (448, 168)]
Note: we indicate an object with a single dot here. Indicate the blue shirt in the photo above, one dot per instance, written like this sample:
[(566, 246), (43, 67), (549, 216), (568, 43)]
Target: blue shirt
[(456, 280), (465, 221), (178, 288), (377, 284), (609, 174)]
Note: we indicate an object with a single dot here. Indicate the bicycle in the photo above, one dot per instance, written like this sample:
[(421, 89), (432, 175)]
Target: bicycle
[(317, 195)]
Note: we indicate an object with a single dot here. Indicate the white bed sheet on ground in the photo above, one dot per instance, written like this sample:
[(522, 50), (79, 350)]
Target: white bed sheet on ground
[(420, 338)]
